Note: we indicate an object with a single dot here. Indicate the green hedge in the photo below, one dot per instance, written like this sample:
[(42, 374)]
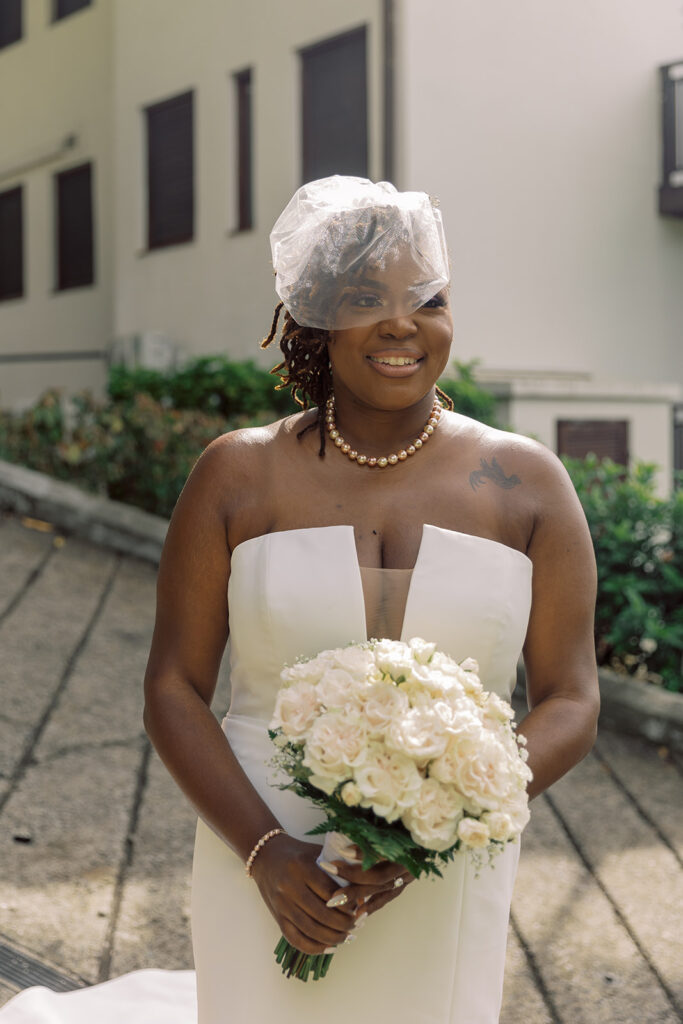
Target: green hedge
[(638, 540)]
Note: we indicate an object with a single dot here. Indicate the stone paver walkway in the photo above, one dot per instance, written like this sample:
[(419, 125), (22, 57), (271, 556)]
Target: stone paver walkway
[(96, 841)]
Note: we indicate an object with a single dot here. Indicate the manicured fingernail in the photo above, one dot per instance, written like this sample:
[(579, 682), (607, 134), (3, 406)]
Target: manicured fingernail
[(338, 900), (331, 949), (361, 919), (349, 938), (326, 866)]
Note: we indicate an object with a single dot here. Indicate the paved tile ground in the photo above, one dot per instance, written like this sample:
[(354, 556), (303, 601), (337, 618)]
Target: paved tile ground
[(96, 842)]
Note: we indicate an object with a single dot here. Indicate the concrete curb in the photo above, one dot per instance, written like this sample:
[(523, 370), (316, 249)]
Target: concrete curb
[(628, 706), (100, 520)]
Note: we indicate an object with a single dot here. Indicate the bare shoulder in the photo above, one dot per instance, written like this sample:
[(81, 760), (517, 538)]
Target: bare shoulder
[(511, 460)]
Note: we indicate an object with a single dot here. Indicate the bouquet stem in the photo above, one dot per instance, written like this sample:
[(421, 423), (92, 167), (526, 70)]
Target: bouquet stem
[(296, 964)]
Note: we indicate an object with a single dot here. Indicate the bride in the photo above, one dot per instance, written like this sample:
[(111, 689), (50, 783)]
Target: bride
[(377, 510)]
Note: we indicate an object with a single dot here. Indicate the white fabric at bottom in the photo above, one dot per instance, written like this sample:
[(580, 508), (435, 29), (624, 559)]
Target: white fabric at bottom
[(143, 997)]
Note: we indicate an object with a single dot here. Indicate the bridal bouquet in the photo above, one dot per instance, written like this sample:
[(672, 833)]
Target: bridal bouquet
[(407, 755)]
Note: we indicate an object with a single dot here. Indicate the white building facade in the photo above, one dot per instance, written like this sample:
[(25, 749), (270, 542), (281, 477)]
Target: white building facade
[(537, 125)]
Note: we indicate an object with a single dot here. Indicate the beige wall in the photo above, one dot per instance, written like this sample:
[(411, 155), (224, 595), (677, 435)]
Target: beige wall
[(537, 125), (216, 293), (534, 408), (56, 82)]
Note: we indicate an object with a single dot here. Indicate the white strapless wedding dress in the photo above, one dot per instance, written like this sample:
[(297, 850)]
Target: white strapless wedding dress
[(435, 955)]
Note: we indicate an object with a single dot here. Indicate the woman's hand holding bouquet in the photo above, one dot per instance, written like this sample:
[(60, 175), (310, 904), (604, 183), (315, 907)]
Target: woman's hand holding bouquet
[(407, 755)]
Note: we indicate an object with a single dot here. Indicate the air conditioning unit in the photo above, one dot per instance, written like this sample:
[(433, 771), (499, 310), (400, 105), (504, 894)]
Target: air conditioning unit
[(151, 350)]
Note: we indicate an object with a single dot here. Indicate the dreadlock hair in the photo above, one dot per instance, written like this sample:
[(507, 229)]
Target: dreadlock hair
[(305, 368)]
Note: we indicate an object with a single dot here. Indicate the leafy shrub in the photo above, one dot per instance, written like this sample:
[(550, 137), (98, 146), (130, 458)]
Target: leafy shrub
[(638, 540), (135, 451), (468, 397), (212, 384)]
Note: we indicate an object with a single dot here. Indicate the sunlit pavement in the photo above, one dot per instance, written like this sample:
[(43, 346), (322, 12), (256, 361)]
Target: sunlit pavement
[(96, 841)]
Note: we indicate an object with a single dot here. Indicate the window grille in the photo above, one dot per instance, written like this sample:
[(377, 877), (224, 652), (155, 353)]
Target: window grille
[(170, 171)]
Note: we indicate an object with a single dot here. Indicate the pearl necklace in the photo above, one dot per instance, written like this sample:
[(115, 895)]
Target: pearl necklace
[(385, 460)]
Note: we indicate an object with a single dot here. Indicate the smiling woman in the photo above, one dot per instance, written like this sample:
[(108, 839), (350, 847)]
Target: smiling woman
[(398, 525)]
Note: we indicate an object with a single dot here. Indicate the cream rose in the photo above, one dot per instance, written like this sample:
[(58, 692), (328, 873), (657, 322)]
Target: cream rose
[(295, 710), (484, 772), (388, 781), (337, 742), (433, 819), (382, 704), (473, 833), (420, 733), (338, 689), (499, 825)]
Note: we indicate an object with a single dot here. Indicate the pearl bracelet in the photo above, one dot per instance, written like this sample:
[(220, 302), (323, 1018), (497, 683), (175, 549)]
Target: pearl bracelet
[(261, 843)]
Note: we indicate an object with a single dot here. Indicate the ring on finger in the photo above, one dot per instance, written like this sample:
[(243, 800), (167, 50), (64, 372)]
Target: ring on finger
[(398, 882)]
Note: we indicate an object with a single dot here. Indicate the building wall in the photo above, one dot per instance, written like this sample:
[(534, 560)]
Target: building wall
[(216, 293), (59, 80), (537, 126), (535, 409)]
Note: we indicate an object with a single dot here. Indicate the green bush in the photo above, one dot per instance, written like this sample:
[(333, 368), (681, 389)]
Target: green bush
[(212, 384), (468, 397), (136, 451), (638, 541)]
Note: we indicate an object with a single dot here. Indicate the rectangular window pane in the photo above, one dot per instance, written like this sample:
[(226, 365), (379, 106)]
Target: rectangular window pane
[(10, 22), (170, 172), (11, 244), (334, 107), (75, 264), (608, 439), (63, 8), (244, 150)]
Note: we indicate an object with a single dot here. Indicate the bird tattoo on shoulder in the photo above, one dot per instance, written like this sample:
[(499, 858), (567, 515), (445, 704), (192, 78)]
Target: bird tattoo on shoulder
[(493, 472)]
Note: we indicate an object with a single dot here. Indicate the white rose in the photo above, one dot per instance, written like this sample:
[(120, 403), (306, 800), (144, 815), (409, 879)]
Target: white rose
[(394, 659), (497, 709), (499, 825), (382, 704), (449, 765), (483, 771), (337, 741), (295, 710), (474, 833), (388, 781), (420, 733), (337, 689), (309, 671), (351, 794), (357, 661), (422, 651), (433, 819)]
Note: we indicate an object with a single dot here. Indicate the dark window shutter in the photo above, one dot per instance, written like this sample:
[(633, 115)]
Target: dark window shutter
[(63, 8), (244, 151), (608, 439), (75, 263), (678, 439), (671, 189), (10, 22), (170, 172), (334, 107), (11, 244)]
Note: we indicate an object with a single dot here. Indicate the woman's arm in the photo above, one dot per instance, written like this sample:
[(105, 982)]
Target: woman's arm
[(189, 638), (559, 652)]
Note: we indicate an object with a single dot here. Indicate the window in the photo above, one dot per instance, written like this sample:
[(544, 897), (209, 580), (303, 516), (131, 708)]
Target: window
[(75, 265), (11, 244), (671, 189), (10, 22), (244, 150), (170, 172), (63, 8), (608, 439), (334, 107)]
